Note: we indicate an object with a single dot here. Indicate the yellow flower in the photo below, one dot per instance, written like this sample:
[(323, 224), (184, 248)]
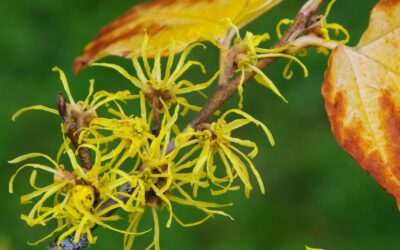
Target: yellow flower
[(248, 55), (319, 36), (216, 139), (129, 132), (156, 182), (322, 29), (72, 199), (337, 28), (81, 112), (166, 86)]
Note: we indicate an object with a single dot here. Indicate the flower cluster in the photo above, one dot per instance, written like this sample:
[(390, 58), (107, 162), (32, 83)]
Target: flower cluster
[(135, 167)]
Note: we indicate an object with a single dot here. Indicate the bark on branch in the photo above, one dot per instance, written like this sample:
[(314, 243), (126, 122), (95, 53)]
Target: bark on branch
[(72, 132)]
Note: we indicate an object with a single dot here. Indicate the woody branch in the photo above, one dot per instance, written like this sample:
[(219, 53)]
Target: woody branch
[(71, 130)]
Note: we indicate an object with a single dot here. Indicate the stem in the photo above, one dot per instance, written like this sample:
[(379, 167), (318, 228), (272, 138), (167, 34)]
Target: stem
[(72, 132), (227, 58), (155, 104)]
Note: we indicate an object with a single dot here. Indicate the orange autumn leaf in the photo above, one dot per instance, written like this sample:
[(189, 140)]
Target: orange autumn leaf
[(185, 21), (362, 97)]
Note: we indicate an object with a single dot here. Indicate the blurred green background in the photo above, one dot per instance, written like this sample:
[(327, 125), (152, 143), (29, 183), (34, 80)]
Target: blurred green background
[(316, 194)]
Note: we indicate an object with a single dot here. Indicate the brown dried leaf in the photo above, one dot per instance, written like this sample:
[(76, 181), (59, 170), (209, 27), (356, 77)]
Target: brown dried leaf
[(183, 20), (362, 97)]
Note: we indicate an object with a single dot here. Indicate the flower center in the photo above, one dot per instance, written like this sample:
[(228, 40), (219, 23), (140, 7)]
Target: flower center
[(82, 196)]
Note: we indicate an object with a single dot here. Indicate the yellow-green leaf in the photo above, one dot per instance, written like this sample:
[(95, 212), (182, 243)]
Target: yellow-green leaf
[(185, 21)]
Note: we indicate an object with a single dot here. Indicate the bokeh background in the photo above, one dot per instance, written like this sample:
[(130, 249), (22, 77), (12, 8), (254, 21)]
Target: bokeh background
[(316, 194)]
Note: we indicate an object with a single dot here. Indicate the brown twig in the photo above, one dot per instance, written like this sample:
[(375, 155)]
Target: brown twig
[(155, 105), (73, 133), (227, 57)]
